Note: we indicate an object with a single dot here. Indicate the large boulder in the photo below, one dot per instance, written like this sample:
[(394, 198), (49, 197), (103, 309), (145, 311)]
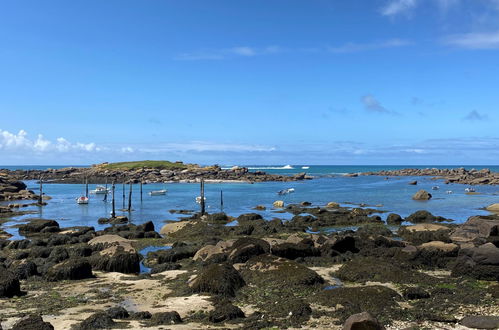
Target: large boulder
[(479, 262), (37, 226), (362, 321), (117, 258), (9, 284), (422, 195), (421, 216), (32, 322), (477, 230), (219, 279), (71, 269), (99, 320)]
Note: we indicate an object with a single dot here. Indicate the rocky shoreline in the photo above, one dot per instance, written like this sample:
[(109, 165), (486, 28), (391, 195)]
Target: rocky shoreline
[(419, 272), (455, 175), (192, 173)]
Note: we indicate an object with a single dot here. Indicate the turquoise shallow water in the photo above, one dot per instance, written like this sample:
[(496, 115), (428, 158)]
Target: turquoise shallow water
[(394, 195)]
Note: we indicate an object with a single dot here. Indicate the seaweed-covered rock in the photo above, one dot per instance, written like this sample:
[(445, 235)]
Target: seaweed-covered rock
[(412, 293), (423, 216), (267, 270), (294, 250), (480, 322), (481, 262), (364, 269), (175, 254), (9, 284), (244, 248), (220, 279), (117, 312), (362, 321), (32, 322), (116, 258), (373, 229), (164, 267), (35, 226), (425, 232), (71, 269), (24, 269), (248, 217), (394, 219), (144, 315), (379, 301), (225, 312), (165, 318), (99, 320)]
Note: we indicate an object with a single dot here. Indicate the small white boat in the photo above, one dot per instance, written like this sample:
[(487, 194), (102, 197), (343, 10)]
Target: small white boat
[(286, 191), (158, 192), (198, 199), (100, 190), (435, 188), (448, 192), (469, 190), (305, 167), (82, 200)]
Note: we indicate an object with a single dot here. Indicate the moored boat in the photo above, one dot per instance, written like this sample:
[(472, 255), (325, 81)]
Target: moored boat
[(157, 192)]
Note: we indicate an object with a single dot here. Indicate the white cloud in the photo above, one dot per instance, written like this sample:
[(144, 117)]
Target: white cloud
[(21, 142), (352, 47), (396, 7), (224, 53), (489, 40)]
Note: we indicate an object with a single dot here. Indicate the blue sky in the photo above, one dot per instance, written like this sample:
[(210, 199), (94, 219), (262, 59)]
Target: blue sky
[(250, 82)]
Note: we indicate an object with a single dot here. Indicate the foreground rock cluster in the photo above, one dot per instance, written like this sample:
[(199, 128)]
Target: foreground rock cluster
[(454, 175), (421, 271), (192, 173)]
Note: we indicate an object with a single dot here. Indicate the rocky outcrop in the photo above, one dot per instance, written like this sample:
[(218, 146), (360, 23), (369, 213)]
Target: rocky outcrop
[(362, 321), (13, 189), (191, 173), (454, 175), (480, 262)]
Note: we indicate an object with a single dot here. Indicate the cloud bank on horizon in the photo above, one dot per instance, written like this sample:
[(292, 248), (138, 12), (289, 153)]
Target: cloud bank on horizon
[(355, 82)]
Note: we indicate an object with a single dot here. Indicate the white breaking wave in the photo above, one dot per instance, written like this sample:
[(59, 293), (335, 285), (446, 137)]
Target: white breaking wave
[(285, 167)]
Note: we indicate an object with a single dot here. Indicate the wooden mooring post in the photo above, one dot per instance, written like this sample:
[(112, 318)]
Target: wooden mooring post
[(221, 200), (86, 187), (40, 197), (141, 191), (130, 198), (113, 211), (105, 195), (202, 202), (123, 195)]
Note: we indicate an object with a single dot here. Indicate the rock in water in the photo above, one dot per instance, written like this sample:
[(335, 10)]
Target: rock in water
[(422, 195), (278, 204), (493, 208), (362, 321), (9, 284), (32, 322)]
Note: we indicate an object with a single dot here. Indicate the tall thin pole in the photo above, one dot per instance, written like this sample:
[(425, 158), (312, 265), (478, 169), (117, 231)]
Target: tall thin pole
[(202, 198), (105, 196), (40, 197), (86, 187), (113, 212), (141, 191), (123, 186), (130, 198), (221, 200)]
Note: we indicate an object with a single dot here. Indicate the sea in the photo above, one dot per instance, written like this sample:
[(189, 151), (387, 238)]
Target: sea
[(328, 185)]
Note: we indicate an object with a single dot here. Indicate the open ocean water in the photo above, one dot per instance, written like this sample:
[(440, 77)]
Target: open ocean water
[(329, 184)]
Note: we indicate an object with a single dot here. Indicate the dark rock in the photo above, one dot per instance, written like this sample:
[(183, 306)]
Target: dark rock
[(99, 320), (394, 219), (71, 269), (413, 183), (248, 217), (165, 318), (294, 250), (421, 216), (412, 293), (217, 218), (24, 269), (480, 322), (480, 263), (362, 321), (220, 279), (164, 267), (225, 312), (35, 226), (372, 229), (32, 322), (9, 284), (117, 312), (116, 259), (245, 248), (146, 227), (58, 254), (175, 254), (140, 315)]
